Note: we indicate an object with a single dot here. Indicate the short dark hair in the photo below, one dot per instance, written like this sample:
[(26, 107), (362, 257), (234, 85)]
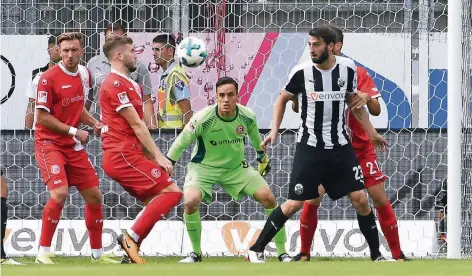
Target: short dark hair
[(113, 42), (324, 32), (112, 27), (338, 32), (71, 36), (52, 39), (227, 80), (167, 39)]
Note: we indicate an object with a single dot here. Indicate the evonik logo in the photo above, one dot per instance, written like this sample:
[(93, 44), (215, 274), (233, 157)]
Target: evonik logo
[(328, 96)]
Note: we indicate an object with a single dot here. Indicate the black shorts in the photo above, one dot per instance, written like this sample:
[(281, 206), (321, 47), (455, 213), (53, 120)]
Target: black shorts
[(336, 169)]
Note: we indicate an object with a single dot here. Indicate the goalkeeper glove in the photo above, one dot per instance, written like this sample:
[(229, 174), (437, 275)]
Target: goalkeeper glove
[(264, 163)]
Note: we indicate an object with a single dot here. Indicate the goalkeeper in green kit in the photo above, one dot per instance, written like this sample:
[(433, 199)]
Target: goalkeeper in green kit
[(218, 158)]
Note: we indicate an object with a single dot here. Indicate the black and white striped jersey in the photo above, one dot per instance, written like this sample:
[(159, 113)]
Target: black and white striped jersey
[(322, 100)]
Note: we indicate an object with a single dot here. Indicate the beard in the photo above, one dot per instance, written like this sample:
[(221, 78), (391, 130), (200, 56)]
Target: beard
[(131, 67), (323, 57)]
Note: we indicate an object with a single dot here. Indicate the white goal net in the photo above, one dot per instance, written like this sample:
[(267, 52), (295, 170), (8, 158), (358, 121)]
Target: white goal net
[(402, 43)]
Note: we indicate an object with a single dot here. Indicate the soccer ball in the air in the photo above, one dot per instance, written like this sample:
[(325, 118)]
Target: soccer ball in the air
[(191, 52)]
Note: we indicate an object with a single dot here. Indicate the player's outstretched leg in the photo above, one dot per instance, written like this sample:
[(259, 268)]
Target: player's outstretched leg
[(158, 206), (94, 224), (387, 220), (192, 199), (367, 225), (51, 216), (4, 213), (265, 197), (274, 223)]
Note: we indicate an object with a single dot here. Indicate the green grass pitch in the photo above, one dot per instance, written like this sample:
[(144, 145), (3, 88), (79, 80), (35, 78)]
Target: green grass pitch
[(81, 266)]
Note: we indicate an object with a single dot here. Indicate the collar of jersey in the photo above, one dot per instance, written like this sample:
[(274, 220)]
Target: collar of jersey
[(119, 74), (171, 66), (225, 120)]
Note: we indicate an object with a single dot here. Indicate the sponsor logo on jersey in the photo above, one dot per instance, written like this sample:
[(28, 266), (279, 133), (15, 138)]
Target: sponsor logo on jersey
[(156, 173), (66, 86), (67, 101), (240, 130), (55, 169), (42, 97), (227, 142), (123, 97), (328, 96)]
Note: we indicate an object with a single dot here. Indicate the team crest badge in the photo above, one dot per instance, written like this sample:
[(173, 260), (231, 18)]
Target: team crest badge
[(44, 82), (116, 84), (341, 82), (240, 130), (55, 169), (156, 173), (123, 97)]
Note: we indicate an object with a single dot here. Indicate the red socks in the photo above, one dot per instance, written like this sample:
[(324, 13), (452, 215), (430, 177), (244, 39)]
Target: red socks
[(388, 223), (308, 224), (51, 217), (154, 211), (94, 223)]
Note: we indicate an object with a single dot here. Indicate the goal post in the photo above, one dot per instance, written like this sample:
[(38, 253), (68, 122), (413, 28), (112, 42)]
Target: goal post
[(417, 52), (454, 134)]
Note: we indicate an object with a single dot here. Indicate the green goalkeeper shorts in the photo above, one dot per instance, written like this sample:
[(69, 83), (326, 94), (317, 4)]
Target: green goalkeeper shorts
[(238, 182)]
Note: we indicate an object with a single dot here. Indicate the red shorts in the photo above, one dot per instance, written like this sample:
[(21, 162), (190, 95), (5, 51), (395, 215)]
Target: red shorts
[(370, 169), (65, 167), (140, 177)]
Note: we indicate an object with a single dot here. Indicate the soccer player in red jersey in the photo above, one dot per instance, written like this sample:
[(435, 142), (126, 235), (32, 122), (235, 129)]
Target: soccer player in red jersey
[(123, 133), (59, 148), (373, 176)]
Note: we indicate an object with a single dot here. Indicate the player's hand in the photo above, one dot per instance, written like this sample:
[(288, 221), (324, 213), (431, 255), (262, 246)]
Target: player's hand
[(269, 139), (165, 163), (359, 100), (264, 164), (379, 142), (82, 136), (97, 129)]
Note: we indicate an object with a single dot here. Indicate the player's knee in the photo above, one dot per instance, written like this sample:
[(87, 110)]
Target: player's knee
[(360, 202), (60, 194), (191, 202), (290, 207), (265, 197)]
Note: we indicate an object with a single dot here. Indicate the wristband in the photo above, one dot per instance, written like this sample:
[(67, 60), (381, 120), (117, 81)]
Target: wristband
[(72, 131)]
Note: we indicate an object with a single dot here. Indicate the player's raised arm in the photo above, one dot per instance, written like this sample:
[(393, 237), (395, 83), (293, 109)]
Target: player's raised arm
[(188, 135)]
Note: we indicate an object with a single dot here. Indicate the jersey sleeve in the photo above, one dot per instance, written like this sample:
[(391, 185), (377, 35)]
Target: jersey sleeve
[(32, 87), (117, 95), (253, 133), (366, 83), (188, 135), (352, 85), (45, 93), (296, 79)]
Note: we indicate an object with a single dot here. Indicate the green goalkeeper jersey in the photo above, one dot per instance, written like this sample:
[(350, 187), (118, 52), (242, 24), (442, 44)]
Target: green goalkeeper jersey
[(220, 142)]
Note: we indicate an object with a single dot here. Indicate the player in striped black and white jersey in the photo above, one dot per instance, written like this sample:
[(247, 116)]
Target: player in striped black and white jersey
[(324, 153)]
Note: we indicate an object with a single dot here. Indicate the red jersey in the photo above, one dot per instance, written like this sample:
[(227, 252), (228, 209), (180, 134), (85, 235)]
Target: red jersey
[(117, 92), (62, 93), (359, 138)]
